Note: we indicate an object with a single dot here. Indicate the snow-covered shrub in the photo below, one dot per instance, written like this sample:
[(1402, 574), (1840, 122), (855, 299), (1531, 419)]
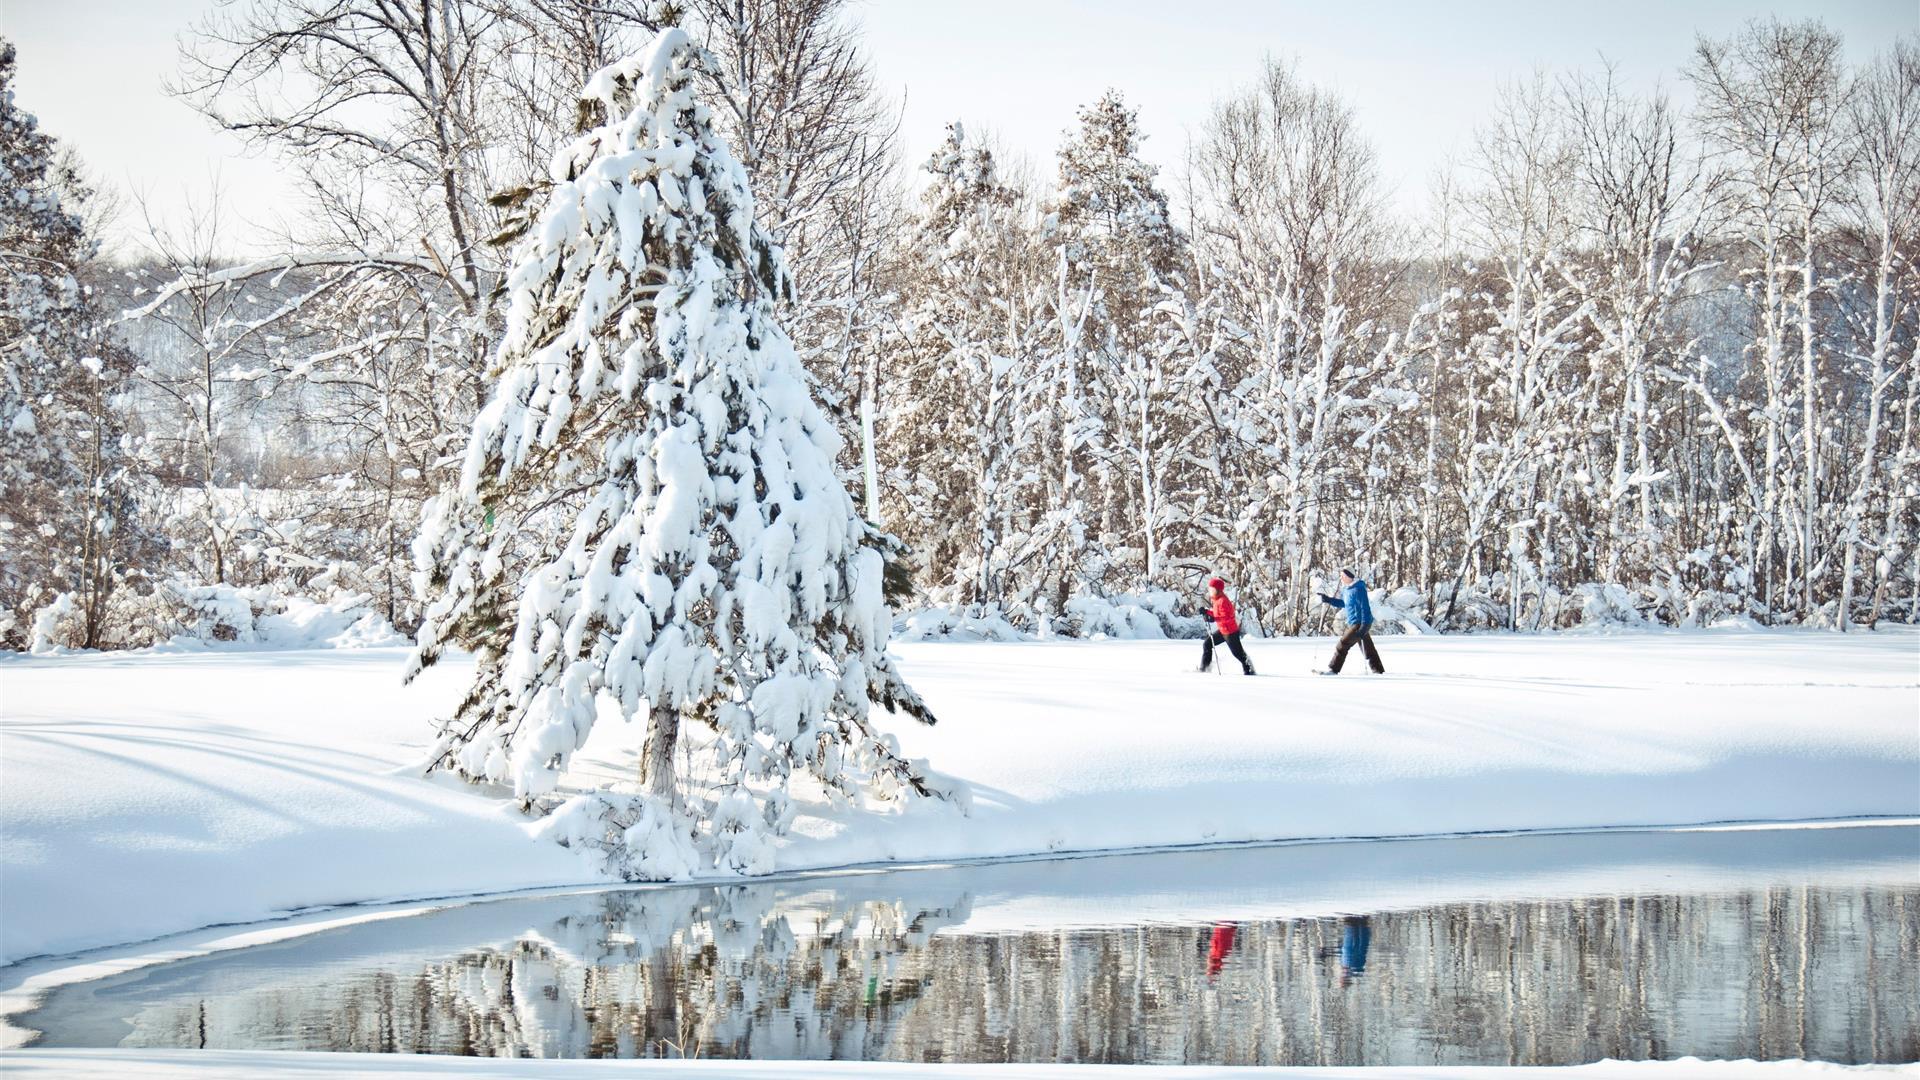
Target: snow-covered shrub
[(1146, 615), (639, 836), (52, 625), (1399, 612), (262, 616), (132, 617), (1675, 603), (215, 613), (1476, 608), (142, 615), (1608, 605), (957, 622), (1150, 615), (348, 621)]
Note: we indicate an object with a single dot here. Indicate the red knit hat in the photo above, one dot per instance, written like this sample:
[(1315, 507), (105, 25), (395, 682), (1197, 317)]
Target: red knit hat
[(1216, 583)]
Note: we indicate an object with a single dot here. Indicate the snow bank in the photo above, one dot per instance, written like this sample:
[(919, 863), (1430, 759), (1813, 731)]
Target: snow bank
[(1397, 611), (148, 794), (247, 1065), (1327, 880)]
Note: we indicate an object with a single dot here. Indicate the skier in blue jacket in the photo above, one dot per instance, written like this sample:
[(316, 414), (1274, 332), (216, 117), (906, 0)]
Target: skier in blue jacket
[(1353, 601)]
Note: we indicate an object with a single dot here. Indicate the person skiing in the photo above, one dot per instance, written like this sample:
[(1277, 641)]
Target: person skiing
[(1353, 600), (1226, 627)]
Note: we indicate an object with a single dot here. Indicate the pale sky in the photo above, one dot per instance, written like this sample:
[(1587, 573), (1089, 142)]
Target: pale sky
[(1420, 74)]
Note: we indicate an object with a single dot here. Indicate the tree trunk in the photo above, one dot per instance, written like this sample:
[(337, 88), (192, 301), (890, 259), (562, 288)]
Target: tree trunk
[(1809, 419), (656, 760), (1876, 387)]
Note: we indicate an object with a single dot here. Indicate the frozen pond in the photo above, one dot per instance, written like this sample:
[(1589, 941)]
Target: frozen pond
[(1540, 950)]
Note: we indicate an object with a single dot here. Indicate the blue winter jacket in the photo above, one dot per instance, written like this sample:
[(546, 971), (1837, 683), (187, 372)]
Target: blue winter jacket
[(1353, 600)]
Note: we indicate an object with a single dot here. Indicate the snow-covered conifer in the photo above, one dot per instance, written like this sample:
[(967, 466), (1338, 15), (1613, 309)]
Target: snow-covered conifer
[(967, 436), (709, 573), (1110, 227), (65, 503)]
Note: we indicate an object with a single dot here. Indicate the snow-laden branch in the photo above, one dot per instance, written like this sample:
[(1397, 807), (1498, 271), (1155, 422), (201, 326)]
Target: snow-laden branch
[(280, 264)]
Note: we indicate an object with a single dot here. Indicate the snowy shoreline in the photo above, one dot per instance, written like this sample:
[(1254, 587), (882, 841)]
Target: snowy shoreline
[(1339, 878), (292, 789), (25, 984), (1304, 881)]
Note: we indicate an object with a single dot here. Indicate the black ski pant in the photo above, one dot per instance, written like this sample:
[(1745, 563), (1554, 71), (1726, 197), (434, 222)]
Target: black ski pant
[(1360, 634), (1215, 637)]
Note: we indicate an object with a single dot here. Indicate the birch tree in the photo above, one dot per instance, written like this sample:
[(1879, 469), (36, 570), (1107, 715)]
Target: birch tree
[(1770, 101), (1884, 117), (1288, 217), (1644, 210)]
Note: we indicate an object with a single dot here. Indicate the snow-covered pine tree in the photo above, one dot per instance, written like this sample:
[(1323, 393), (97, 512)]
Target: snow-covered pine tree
[(65, 494), (1109, 225), (962, 430), (707, 571)]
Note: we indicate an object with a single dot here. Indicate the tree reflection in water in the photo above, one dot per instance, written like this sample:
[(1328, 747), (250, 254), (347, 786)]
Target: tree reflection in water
[(804, 971)]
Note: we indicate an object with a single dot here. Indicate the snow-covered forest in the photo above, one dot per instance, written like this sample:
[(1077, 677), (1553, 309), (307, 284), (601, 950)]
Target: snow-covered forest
[(1638, 362)]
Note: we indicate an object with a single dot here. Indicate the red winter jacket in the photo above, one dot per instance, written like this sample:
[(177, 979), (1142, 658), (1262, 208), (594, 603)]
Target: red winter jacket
[(1224, 620)]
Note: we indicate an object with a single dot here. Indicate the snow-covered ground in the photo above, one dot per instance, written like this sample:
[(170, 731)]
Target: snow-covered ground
[(236, 1065), (147, 794)]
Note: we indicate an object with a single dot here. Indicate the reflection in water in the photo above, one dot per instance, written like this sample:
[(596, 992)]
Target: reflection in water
[(902, 967), (1356, 937), (1221, 944)]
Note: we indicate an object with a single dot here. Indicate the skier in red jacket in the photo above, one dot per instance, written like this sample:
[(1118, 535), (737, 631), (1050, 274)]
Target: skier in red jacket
[(1226, 627)]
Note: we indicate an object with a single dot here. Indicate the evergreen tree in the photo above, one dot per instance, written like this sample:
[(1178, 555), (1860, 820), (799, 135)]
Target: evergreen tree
[(66, 506), (1110, 215), (1113, 237), (710, 573), (959, 447)]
